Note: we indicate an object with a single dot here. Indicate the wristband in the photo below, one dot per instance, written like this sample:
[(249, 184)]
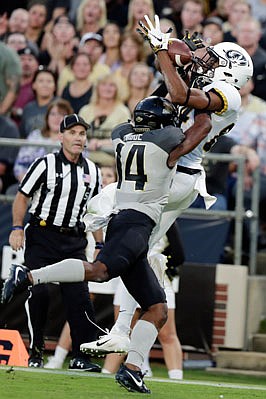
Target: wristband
[(99, 245), (17, 228)]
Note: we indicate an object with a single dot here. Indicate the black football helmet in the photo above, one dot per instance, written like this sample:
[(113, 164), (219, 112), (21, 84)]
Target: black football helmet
[(154, 113)]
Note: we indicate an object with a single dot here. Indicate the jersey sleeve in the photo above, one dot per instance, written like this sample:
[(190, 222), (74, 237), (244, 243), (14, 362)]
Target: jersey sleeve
[(229, 94), (33, 178), (121, 130)]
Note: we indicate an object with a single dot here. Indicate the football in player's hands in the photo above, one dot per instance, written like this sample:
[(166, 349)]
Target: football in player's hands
[(179, 52)]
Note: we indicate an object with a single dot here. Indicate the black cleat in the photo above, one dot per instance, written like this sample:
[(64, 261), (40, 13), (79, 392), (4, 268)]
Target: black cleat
[(131, 380), (17, 281), (81, 364), (36, 358)]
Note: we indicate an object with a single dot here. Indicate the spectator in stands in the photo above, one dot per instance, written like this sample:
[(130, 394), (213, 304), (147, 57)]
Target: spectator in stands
[(8, 129), (91, 44), (61, 45), (16, 41), (78, 92), (55, 8), (108, 175), (47, 134), (191, 17), (212, 31), (111, 41), (37, 18), (136, 11), (131, 52), (117, 10), (44, 87), (3, 25), (29, 64), (240, 10), (173, 12), (139, 82), (103, 113), (10, 73), (259, 12), (223, 8), (91, 16), (248, 34), (18, 21)]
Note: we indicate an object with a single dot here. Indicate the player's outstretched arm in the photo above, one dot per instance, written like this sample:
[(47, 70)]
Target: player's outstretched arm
[(180, 93)]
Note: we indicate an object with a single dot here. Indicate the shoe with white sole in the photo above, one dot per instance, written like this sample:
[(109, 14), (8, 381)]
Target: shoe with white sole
[(82, 364), (108, 343), (131, 380), (16, 282)]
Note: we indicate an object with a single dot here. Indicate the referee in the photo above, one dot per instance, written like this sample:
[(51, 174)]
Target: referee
[(59, 185)]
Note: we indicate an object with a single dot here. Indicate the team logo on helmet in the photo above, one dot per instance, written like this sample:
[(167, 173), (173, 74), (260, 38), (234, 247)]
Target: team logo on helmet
[(236, 58)]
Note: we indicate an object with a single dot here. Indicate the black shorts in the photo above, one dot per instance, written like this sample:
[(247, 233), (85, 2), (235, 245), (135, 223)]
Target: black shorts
[(125, 255), (44, 246)]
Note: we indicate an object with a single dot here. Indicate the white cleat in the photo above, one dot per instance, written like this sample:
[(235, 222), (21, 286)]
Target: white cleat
[(109, 343)]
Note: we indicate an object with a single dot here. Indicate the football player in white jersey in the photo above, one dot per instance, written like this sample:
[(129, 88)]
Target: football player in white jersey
[(225, 68), (142, 192)]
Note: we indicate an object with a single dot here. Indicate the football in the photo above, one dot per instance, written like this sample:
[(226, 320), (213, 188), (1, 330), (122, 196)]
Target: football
[(179, 52)]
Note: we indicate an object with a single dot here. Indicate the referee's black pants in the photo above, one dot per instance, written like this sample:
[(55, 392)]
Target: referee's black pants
[(44, 246)]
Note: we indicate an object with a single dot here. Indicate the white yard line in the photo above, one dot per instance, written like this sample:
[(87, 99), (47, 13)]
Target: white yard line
[(162, 380)]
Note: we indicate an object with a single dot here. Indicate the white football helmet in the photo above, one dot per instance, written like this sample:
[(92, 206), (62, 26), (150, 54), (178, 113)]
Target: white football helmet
[(234, 64)]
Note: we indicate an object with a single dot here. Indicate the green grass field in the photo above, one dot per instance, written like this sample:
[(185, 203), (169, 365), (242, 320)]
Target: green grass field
[(20, 383)]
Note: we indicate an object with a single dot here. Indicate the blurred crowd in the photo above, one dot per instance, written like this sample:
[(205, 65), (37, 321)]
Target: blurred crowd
[(84, 56)]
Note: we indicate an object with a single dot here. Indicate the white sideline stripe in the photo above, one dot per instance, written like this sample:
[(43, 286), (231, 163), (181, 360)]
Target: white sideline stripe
[(163, 380)]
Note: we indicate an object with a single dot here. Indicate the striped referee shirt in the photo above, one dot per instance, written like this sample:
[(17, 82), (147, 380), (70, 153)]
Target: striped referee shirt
[(60, 189)]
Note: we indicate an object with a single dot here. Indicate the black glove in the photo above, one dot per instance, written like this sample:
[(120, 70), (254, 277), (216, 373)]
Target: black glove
[(193, 42)]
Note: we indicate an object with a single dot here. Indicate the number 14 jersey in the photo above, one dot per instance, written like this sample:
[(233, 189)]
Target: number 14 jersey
[(144, 178)]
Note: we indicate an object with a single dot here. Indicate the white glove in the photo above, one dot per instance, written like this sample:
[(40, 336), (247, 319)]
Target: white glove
[(157, 39)]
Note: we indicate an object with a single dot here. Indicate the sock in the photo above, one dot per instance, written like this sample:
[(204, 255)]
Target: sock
[(175, 374), (66, 271), (146, 368), (105, 371), (126, 312), (60, 353), (142, 338)]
